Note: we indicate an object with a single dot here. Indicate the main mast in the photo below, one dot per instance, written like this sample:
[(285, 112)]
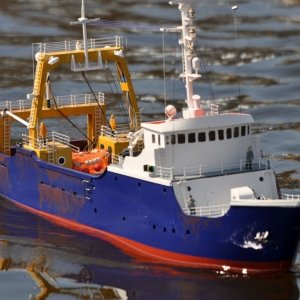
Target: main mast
[(190, 62)]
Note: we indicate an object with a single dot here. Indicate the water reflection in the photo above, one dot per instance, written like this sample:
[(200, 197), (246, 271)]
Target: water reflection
[(62, 264)]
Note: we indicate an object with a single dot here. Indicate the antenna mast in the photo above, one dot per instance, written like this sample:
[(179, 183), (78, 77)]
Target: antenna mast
[(84, 21), (190, 63)]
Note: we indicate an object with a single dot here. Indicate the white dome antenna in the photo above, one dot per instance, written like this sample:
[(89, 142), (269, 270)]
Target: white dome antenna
[(170, 112)]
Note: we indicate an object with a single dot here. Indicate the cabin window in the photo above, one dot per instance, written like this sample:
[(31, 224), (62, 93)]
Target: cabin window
[(229, 133), (221, 134), (167, 140), (153, 138), (181, 138), (191, 137), (243, 131), (159, 140), (236, 132), (248, 128), (212, 135), (173, 139), (201, 137)]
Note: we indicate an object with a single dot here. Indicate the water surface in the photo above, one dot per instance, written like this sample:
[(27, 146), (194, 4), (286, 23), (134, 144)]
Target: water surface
[(258, 73)]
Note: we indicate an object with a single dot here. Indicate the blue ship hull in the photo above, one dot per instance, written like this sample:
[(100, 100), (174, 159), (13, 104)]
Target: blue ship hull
[(145, 219)]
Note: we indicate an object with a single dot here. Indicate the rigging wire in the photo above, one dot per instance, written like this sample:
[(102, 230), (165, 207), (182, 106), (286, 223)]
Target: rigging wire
[(66, 117), (108, 73), (95, 97), (126, 25), (203, 66), (175, 63)]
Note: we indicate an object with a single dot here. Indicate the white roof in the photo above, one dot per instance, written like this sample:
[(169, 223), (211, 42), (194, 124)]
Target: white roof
[(205, 122)]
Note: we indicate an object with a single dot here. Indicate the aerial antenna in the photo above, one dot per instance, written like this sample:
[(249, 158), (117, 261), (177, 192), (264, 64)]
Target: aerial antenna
[(234, 9), (164, 70), (83, 21)]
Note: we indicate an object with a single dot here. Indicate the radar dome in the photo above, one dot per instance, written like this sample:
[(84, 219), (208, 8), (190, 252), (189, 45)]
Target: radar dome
[(170, 111)]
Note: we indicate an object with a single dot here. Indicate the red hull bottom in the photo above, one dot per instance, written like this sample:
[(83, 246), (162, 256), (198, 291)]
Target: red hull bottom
[(147, 254)]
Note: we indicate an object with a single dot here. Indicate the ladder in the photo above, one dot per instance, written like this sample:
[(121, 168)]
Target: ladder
[(36, 91), (88, 187), (6, 135), (51, 152), (98, 123)]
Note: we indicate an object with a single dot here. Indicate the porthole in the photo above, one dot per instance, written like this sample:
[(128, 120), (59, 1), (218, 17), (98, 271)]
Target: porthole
[(188, 232), (261, 179), (154, 226), (95, 210), (165, 229), (61, 160)]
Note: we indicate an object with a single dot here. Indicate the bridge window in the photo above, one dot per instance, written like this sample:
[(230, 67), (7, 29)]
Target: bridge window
[(243, 130), (173, 139), (167, 140), (181, 138), (221, 134), (212, 135), (228, 133), (153, 138), (191, 137), (201, 137), (236, 132)]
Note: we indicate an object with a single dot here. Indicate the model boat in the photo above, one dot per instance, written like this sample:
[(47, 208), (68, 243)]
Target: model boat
[(192, 189)]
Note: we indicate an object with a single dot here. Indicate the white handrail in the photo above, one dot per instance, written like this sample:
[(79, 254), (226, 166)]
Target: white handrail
[(290, 196), (62, 101), (223, 168), (51, 138), (75, 45), (213, 211)]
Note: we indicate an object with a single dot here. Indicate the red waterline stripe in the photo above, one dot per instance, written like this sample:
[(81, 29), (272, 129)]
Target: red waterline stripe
[(146, 253)]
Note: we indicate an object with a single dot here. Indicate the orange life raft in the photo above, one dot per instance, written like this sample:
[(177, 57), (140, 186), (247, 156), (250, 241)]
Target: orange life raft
[(93, 162)]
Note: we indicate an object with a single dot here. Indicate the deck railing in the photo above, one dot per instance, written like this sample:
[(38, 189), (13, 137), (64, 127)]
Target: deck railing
[(67, 46), (53, 137), (62, 101), (167, 173), (290, 196), (80, 99), (213, 211), (210, 170), (121, 129)]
